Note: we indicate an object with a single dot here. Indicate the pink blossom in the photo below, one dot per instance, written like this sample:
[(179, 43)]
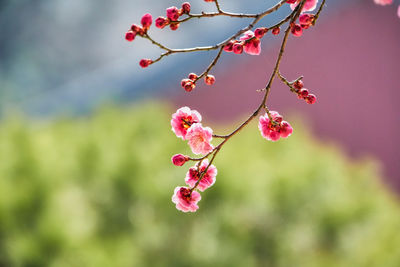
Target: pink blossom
[(182, 119), (186, 200), (199, 138), (310, 5), (286, 129), (398, 11), (273, 131), (252, 44), (383, 2), (208, 178)]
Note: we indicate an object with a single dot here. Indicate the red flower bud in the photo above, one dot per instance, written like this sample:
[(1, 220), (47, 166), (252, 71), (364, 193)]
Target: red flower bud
[(179, 159), (303, 93), (161, 22), (186, 8), (298, 84), (130, 36), (296, 30), (276, 31), (237, 48), (229, 46), (259, 32), (209, 79), (173, 13), (192, 76), (146, 21), (188, 85), (144, 63), (311, 99), (174, 26)]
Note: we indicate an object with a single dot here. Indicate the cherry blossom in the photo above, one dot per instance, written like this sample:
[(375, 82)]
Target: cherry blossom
[(185, 199), (383, 2), (182, 120), (208, 178), (274, 130), (199, 138), (252, 45), (310, 5)]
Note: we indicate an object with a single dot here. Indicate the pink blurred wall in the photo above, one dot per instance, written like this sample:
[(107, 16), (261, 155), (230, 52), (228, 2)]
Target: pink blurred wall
[(350, 61)]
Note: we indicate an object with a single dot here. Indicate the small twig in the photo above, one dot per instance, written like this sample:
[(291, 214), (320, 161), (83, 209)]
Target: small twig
[(289, 84), (213, 63), (319, 12), (217, 5)]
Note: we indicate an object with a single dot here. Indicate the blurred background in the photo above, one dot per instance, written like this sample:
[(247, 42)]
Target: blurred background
[(85, 140)]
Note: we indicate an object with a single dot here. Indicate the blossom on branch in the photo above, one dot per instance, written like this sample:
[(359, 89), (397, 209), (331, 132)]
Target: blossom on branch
[(208, 178), (183, 119), (185, 199), (310, 5), (275, 129), (252, 44), (199, 139)]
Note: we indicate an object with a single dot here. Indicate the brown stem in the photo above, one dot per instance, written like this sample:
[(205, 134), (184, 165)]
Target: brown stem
[(289, 84), (319, 12)]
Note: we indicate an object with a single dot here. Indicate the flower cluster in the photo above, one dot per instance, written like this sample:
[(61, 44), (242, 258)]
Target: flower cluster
[(305, 21), (190, 82), (135, 29), (302, 93), (172, 16), (186, 124), (249, 43), (387, 2), (273, 127)]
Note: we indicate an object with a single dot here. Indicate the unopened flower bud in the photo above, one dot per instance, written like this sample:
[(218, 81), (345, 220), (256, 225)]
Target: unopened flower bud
[(259, 32), (237, 48), (173, 13), (179, 159), (311, 99), (161, 22), (229, 46), (276, 31), (144, 63), (209, 79), (186, 8), (130, 36), (298, 84), (303, 93), (192, 76), (296, 30), (174, 26), (146, 21)]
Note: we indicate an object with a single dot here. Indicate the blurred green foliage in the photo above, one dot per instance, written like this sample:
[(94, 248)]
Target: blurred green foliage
[(97, 192)]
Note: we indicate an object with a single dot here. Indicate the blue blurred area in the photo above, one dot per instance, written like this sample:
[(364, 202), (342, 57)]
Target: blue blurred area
[(67, 57)]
